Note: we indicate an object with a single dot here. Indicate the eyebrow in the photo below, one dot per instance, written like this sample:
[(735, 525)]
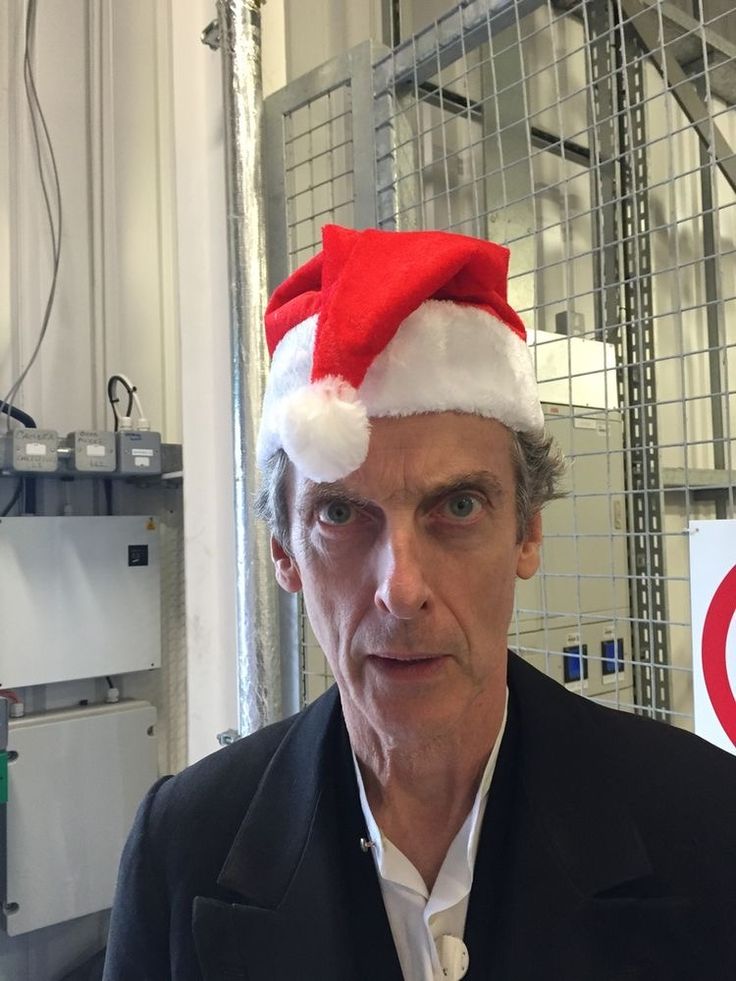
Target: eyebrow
[(483, 480), (323, 493)]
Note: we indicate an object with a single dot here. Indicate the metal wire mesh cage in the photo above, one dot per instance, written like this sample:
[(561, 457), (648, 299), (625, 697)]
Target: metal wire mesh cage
[(594, 139)]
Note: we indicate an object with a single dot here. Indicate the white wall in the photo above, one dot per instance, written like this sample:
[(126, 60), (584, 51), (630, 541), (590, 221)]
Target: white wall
[(205, 379), (98, 71), (317, 30), (132, 100)]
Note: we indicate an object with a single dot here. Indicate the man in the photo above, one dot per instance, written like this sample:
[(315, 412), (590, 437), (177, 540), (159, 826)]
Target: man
[(446, 811)]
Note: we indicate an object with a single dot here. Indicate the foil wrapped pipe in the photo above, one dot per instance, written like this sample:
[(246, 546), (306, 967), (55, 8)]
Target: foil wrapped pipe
[(257, 635)]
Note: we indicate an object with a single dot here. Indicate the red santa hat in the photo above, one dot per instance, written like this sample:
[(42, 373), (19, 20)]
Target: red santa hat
[(390, 324)]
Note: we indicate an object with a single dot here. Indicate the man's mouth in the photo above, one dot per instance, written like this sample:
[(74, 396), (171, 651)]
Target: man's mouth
[(412, 665), (406, 656)]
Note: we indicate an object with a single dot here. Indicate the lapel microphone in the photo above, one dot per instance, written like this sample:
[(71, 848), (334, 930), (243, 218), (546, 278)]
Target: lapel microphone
[(366, 844), (453, 955)]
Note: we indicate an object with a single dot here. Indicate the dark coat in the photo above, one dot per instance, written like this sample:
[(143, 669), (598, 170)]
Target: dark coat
[(608, 852)]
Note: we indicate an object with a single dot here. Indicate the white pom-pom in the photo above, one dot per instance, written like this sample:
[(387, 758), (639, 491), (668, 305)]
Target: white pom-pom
[(324, 429)]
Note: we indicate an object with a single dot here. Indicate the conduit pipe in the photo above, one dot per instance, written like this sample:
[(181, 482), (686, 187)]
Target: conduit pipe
[(257, 634)]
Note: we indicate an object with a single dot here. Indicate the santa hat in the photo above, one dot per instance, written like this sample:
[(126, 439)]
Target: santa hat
[(390, 324)]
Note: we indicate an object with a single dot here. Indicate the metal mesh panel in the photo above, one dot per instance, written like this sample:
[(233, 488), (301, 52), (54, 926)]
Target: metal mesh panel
[(318, 144), (595, 140)]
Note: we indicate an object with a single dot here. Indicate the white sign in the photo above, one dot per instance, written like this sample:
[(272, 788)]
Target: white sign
[(713, 604)]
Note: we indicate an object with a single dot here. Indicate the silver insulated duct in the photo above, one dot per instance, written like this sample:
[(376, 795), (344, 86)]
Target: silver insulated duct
[(259, 664)]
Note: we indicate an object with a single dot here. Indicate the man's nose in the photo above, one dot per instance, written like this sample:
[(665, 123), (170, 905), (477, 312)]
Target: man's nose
[(402, 589)]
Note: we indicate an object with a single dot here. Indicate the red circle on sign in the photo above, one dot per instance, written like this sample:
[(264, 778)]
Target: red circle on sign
[(715, 671)]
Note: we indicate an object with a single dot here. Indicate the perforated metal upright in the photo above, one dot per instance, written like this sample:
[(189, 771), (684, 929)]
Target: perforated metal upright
[(624, 274)]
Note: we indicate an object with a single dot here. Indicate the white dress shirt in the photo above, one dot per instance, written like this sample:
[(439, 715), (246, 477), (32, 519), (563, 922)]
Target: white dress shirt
[(428, 927)]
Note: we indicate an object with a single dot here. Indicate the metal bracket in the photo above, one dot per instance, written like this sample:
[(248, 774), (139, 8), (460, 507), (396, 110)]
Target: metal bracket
[(645, 22), (211, 35), (228, 737), (617, 81)]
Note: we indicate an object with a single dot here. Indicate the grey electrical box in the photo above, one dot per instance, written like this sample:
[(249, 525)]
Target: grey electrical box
[(92, 451), (35, 451), (74, 783), (80, 597), (139, 453)]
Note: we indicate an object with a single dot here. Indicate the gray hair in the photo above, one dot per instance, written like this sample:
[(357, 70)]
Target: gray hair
[(538, 464), (272, 500), (539, 467)]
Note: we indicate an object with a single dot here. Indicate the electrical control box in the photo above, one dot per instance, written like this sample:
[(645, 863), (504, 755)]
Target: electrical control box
[(93, 452), (75, 779), (572, 618), (35, 451), (79, 598), (139, 453)]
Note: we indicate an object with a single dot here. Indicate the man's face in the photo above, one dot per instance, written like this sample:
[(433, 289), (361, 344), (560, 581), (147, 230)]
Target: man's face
[(408, 567)]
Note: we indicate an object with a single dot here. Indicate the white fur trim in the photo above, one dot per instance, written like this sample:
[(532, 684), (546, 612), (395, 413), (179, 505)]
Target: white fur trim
[(291, 368), (451, 358), (444, 357), (324, 429)]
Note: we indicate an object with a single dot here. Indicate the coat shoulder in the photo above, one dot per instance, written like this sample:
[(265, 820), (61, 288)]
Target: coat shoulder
[(198, 811), (679, 788), (229, 775), (633, 744)]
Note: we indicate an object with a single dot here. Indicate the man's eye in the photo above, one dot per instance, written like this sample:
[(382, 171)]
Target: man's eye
[(462, 506), (337, 513)]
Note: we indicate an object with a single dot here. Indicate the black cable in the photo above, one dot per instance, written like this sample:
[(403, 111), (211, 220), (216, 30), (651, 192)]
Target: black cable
[(19, 415), (112, 382), (36, 113), (29, 495), (108, 679), (395, 23), (21, 488), (25, 486), (107, 484)]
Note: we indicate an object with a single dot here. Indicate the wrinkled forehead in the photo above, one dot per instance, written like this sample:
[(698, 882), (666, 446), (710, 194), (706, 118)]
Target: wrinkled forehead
[(419, 456)]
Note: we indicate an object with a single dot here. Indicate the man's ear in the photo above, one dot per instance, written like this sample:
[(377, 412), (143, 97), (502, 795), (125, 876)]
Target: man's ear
[(287, 573), (528, 562)]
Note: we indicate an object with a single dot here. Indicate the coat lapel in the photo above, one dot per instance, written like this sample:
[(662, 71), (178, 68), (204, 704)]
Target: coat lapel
[(306, 898), (563, 884)]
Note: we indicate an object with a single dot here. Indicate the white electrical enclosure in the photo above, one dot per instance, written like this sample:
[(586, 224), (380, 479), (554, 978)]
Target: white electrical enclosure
[(574, 370), (79, 598), (72, 795)]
